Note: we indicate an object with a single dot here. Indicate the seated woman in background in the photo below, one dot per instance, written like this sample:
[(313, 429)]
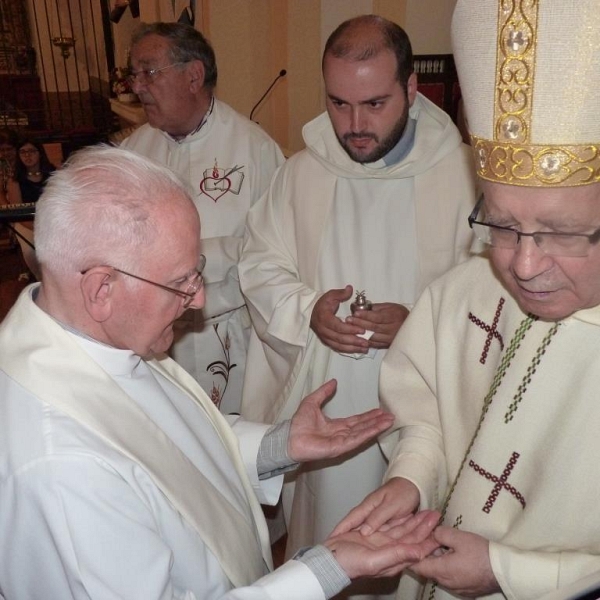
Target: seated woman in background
[(31, 173), (32, 170)]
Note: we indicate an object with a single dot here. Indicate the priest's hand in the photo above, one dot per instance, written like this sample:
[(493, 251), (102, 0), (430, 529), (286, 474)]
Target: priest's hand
[(334, 332), (385, 554), (393, 501), (384, 319), (314, 436), (463, 567)]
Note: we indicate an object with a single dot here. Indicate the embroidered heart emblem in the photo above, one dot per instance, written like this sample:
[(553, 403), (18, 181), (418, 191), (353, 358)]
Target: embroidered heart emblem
[(218, 186)]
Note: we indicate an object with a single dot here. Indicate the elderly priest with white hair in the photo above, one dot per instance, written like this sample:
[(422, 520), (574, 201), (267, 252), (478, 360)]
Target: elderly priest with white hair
[(119, 478)]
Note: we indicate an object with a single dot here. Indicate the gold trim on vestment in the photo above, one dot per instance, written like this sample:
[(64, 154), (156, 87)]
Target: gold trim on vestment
[(537, 165), (515, 69), (510, 157)]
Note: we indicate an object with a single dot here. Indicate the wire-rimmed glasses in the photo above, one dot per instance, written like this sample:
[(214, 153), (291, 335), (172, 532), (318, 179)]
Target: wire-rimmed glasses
[(552, 243), (195, 282), (146, 76)]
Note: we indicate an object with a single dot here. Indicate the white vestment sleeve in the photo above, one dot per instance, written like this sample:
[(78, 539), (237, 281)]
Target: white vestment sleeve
[(249, 436), (82, 530), (526, 575), (292, 581), (221, 281), (280, 304), (407, 388), (99, 540)]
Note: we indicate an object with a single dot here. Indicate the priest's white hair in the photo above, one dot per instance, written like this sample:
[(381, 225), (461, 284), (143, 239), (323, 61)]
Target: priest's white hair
[(102, 207)]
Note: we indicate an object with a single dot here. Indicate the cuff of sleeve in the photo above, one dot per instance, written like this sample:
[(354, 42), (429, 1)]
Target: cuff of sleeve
[(325, 568), (419, 471), (273, 458), (514, 571), (250, 436), (292, 581)]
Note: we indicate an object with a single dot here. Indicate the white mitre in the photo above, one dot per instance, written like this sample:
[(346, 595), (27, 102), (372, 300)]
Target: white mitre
[(529, 72)]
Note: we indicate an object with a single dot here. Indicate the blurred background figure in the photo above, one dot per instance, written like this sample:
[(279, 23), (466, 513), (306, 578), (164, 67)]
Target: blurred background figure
[(32, 170), (228, 161), (24, 171)]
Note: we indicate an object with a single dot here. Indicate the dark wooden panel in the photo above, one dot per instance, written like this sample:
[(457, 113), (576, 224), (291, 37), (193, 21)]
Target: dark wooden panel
[(437, 80), (21, 95)]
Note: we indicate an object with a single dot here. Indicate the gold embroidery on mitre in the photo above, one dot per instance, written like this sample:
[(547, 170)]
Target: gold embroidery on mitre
[(537, 165), (515, 67), (511, 157)]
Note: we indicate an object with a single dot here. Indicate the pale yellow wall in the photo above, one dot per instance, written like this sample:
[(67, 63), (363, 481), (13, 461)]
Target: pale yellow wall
[(250, 49), (304, 73), (394, 11), (122, 35), (255, 39), (428, 24)]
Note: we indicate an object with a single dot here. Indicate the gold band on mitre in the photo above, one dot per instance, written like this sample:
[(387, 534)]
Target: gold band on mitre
[(541, 166), (528, 73)]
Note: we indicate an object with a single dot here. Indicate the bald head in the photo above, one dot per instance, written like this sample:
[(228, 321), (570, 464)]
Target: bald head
[(363, 38)]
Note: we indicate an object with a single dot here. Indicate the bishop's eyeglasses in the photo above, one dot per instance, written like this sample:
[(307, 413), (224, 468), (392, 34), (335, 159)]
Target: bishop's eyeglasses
[(552, 243), (194, 282)]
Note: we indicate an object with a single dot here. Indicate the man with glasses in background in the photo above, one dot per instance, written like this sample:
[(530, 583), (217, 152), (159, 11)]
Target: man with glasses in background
[(494, 377), (228, 161), (118, 476)]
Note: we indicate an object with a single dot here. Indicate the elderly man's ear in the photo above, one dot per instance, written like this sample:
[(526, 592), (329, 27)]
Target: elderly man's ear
[(197, 74), (97, 288)]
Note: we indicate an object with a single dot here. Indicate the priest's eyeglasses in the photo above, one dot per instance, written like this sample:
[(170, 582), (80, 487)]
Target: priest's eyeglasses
[(146, 76), (549, 242), (195, 282)]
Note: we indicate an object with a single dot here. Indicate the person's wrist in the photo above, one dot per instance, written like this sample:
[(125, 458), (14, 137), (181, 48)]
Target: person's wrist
[(322, 562)]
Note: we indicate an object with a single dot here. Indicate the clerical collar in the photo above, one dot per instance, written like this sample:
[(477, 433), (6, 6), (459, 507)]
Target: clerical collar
[(180, 138), (404, 146), (116, 361)]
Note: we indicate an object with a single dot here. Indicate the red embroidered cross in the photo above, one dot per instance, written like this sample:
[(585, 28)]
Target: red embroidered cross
[(501, 482), (492, 331)]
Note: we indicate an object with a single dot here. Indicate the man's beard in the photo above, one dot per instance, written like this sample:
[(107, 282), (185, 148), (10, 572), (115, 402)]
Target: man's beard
[(383, 147)]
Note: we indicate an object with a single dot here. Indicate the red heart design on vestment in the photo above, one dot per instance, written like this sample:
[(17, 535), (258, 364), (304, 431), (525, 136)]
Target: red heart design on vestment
[(225, 180)]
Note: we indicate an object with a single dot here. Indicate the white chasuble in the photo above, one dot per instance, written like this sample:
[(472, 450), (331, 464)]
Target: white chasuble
[(369, 243), (228, 520), (283, 248), (497, 418)]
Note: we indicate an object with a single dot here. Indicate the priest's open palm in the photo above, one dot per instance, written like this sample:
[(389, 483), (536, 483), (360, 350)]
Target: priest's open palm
[(314, 436), (384, 554)]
